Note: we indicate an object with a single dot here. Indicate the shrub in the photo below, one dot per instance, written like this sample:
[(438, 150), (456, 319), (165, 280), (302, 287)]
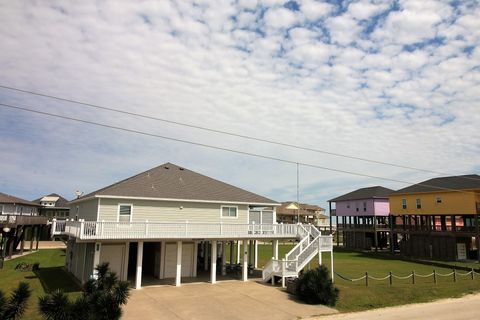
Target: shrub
[(316, 287), (102, 298)]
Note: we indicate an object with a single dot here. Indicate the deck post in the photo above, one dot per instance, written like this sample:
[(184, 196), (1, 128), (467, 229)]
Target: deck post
[(331, 263), (38, 237), (213, 266), (224, 259), (138, 276), (178, 276), (255, 256), (96, 257), (283, 272), (205, 255), (245, 260), (231, 252), (195, 255), (32, 231), (320, 251), (22, 244), (238, 251), (275, 248)]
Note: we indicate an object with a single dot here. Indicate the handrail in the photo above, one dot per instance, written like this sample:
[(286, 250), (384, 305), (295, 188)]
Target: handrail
[(86, 230)]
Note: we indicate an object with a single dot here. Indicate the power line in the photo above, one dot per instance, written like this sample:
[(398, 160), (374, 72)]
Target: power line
[(223, 148), (227, 132)]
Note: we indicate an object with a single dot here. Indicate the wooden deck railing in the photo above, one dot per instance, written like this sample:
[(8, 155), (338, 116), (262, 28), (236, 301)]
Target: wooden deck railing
[(14, 220)]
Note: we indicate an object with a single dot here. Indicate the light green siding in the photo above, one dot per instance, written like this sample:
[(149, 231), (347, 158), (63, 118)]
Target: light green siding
[(86, 210), (170, 211)]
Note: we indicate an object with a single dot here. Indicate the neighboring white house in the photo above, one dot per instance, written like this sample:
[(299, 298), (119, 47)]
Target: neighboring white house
[(168, 222)]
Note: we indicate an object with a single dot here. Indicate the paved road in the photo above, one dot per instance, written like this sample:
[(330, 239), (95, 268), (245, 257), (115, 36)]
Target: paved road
[(466, 308)]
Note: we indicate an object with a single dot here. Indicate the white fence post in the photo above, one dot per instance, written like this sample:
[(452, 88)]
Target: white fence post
[(101, 229), (283, 272), (54, 227), (82, 227)]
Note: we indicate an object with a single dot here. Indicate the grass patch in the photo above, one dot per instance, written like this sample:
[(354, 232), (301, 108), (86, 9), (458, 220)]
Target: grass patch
[(355, 296), (48, 278)]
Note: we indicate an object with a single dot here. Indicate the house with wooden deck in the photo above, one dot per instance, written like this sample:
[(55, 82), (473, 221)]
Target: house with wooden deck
[(18, 218), (362, 218), (172, 223), (291, 212), (438, 218), (53, 206)]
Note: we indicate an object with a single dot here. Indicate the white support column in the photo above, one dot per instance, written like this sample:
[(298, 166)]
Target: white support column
[(224, 262), (213, 266), (195, 258), (331, 265), (245, 260), (138, 276), (231, 253), (238, 251), (275, 248), (162, 260), (96, 257), (205, 255), (319, 252), (178, 276), (255, 257), (125, 262)]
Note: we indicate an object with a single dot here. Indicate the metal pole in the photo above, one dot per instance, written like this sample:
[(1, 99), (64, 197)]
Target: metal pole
[(298, 197)]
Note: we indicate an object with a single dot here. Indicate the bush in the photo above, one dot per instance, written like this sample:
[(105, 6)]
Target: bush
[(316, 287), (102, 299)]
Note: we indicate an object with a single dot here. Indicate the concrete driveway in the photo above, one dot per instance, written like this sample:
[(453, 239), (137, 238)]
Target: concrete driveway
[(224, 300)]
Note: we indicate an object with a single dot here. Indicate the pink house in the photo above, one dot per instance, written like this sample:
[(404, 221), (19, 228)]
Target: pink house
[(362, 218)]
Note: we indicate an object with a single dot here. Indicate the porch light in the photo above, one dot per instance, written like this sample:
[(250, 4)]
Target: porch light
[(6, 229)]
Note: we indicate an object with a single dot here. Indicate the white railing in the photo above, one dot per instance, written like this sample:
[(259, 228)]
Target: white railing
[(92, 230), (311, 244)]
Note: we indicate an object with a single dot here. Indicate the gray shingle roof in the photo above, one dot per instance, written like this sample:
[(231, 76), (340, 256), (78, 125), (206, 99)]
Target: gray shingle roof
[(169, 181), (465, 182), (6, 198), (365, 193)]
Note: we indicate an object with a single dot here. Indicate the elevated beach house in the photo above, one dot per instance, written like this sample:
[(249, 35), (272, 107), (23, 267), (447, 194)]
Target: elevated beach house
[(438, 218), (170, 222), (18, 219), (362, 217)]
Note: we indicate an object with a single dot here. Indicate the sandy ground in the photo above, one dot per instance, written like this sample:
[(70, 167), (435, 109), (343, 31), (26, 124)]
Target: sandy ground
[(466, 308)]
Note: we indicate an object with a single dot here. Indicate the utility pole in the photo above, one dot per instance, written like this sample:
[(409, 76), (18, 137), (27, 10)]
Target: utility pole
[(298, 197)]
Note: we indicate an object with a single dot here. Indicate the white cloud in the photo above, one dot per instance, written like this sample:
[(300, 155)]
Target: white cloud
[(278, 77)]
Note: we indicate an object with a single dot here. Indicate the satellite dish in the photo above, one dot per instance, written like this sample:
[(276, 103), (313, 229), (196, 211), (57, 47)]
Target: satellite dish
[(78, 193)]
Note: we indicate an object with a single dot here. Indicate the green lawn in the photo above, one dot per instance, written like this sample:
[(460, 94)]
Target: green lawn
[(355, 296), (48, 278)]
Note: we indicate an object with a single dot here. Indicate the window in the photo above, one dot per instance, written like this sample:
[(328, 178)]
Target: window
[(229, 212), (1, 208), (124, 212), (419, 204), (364, 207), (438, 200), (348, 205), (404, 203)]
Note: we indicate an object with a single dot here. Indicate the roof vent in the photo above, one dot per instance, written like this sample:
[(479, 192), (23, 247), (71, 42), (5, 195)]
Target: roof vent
[(167, 167), (181, 168)]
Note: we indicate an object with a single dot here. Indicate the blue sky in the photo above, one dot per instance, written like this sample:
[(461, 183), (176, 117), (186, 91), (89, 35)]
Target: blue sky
[(396, 81)]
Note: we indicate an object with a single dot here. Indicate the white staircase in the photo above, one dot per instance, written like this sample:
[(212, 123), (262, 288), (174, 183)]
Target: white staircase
[(311, 243)]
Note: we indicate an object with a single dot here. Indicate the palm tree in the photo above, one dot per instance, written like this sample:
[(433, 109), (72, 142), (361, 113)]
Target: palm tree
[(102, 298), (14, 307)]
